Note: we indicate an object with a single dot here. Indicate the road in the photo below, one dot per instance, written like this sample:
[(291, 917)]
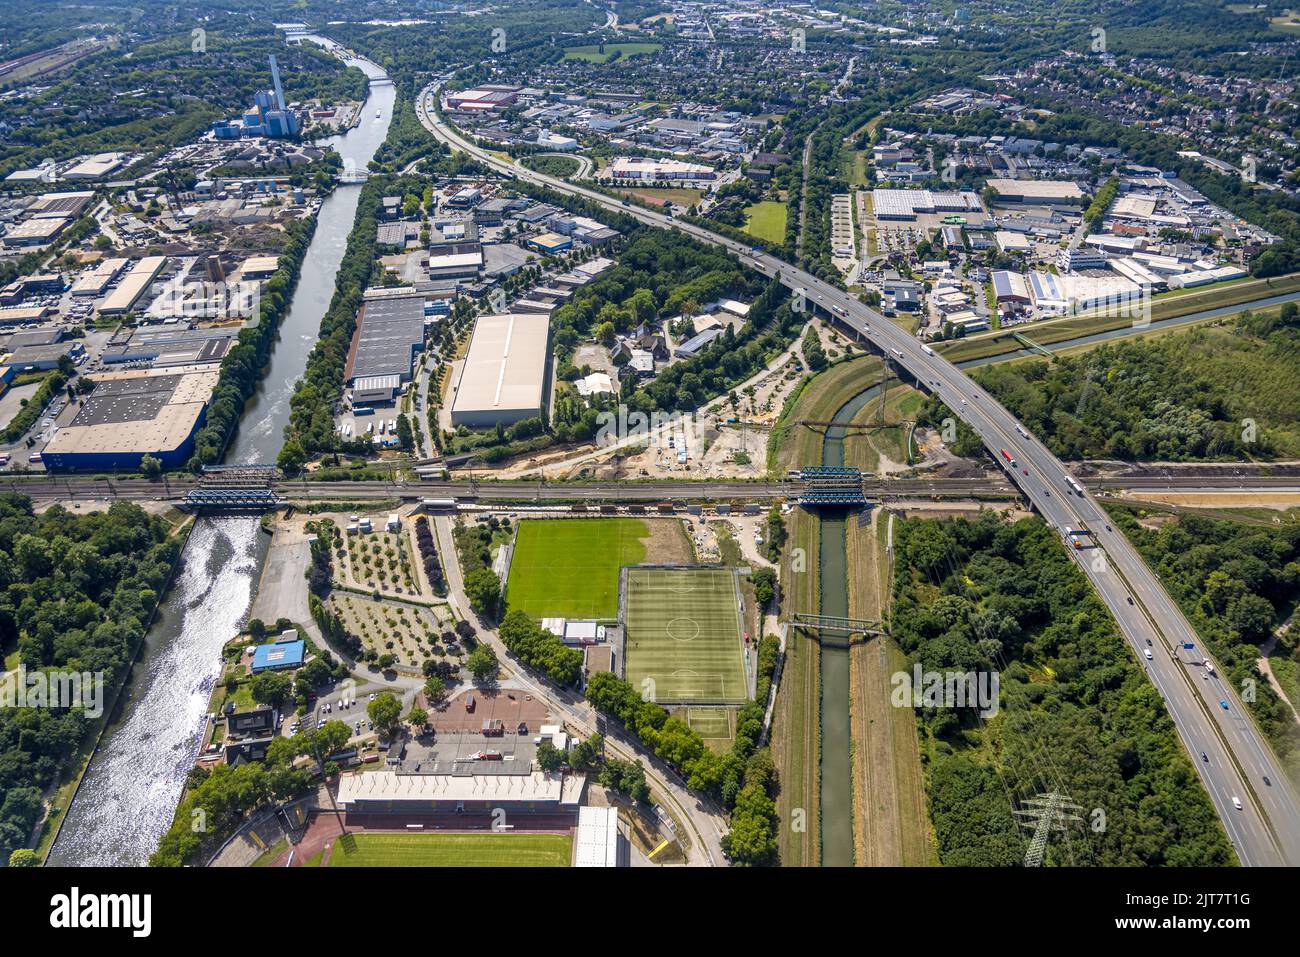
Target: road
[(1266, 829)]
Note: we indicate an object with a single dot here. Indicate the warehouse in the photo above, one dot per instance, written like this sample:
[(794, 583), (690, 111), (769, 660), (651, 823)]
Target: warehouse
[(94, 281), (1047, 191), (133, 286), (645, 169), (503, 378), (390, 331), (132, 414), (1010, 287), (172, 347)]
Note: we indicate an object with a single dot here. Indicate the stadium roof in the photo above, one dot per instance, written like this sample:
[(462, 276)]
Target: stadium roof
[(548, 786)]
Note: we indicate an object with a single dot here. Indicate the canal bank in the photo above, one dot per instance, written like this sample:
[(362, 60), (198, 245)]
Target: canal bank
[(128, 795)]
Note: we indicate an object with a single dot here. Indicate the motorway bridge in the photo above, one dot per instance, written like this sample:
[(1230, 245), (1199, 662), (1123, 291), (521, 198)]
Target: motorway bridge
[(1235, 762)]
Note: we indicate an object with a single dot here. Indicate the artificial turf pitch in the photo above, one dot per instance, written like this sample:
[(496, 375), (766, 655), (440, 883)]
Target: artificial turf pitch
[(568, 567), (683, 634), (454, 850)]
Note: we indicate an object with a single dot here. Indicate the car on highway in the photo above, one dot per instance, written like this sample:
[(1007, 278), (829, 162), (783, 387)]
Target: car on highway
[(1129, 599), (1147, 652), (1236, 802), (1205, 757), (1223, 705), (1267, 781)]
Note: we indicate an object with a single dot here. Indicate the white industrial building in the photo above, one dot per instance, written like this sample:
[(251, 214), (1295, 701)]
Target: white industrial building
[(503, 377)]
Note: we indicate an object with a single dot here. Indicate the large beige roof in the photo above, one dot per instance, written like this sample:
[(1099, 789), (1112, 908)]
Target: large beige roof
[(506, 365)]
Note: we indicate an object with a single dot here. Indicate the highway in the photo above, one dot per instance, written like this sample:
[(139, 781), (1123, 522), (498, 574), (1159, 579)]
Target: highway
[(1266, 828)]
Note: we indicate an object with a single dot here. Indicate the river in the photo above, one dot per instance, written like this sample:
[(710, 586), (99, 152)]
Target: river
[(128, 796)]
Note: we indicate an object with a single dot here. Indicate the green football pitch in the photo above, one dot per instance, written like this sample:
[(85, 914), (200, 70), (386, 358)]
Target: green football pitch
[(568, 567), (684, 635), (452, 850)]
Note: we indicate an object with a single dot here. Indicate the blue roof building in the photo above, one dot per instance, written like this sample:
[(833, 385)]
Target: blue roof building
[(279, 654)]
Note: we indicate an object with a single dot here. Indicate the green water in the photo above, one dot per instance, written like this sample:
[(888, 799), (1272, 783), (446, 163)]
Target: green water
[(836, 764)]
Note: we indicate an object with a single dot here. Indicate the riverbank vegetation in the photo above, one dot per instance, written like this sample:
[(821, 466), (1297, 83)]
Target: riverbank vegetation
[(1074, 712), (77, 592)]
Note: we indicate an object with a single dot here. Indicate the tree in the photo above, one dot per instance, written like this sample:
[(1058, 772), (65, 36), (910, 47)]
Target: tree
[(435, 689), (271, 687), (482, 663), (385, 712), (483, 589), (150, 466), (405, 438), (549, 757), (24, 857), (417, 717)]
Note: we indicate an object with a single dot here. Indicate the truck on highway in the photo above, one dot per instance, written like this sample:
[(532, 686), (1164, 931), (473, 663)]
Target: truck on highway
[(1075, 487), (1021, 430), (1007, 455), (897, 352), (927, 350)]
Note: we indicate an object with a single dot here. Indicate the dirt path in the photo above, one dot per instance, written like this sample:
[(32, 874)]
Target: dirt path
[(1265, 651), (891, 824)]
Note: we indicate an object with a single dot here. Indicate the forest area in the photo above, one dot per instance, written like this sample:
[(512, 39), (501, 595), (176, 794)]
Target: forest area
[(1075, 713), (76, 594), (1220, 392)]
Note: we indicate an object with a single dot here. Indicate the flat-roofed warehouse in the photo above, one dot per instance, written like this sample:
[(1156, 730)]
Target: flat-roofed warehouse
[(133, 286), (132, 414), (503, 378), (390, 331), (1037, 191)]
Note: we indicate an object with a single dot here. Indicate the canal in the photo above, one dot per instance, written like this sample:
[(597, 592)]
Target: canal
[(836, 741), (129, 793)]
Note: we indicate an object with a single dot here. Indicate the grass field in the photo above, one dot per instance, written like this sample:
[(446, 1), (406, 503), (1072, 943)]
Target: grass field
[(593, 54), (766, 220), (568, 567), (454, 850), (684, 634)]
